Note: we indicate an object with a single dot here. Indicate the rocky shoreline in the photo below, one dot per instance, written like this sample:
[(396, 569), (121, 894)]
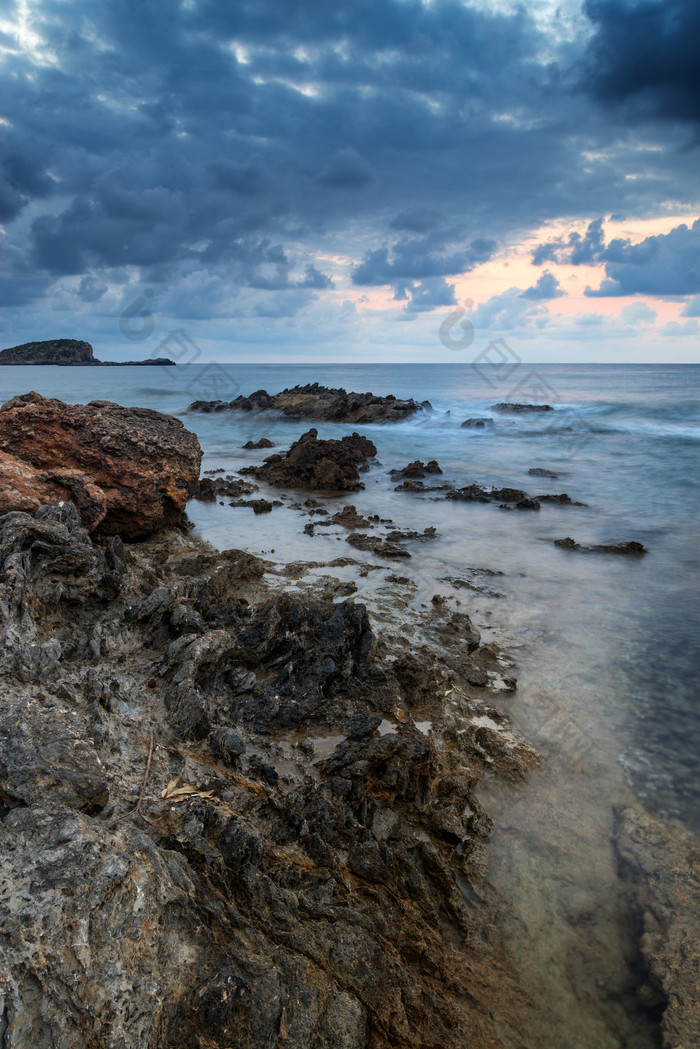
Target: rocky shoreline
[(237, 807)]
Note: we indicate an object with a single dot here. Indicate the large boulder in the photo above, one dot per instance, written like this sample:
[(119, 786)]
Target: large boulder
[(128, 470)]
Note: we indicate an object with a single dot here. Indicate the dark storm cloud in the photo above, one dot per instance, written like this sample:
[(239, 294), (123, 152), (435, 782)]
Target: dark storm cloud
[(645, 54), (421, 258), (664, 264), (232, 138), (313, 278), (427, 295), (574, 249), (347, 170)]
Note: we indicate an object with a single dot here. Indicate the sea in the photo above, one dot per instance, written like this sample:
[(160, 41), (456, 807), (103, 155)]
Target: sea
[(606, 646)]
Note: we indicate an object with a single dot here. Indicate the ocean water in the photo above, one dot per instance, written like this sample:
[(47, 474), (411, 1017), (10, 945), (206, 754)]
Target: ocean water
[(606, 646)]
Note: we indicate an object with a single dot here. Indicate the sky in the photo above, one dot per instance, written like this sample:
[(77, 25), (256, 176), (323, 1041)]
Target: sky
[(366, 180)]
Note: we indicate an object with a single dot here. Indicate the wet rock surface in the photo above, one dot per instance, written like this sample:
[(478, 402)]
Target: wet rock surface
[(320, 403), (476, 424), (630, 549), (264, 442), (237, 815), (128, 470), (208, 489), (505, 407), (661, 865), (417, 469), (539, 471), (317, 465), (507, 498)]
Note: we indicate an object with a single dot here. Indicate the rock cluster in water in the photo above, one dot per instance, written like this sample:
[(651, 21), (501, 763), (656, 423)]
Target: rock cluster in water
[(128, 470), (316, 465), (508, 407), (321, 403)]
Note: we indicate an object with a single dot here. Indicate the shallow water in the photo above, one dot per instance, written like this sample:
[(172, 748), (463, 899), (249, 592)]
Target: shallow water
[(606, 646)]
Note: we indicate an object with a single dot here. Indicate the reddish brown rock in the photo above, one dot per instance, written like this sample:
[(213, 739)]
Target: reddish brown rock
[(128, 470)]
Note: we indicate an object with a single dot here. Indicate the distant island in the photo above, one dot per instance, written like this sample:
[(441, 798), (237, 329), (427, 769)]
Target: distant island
[(67, 352)]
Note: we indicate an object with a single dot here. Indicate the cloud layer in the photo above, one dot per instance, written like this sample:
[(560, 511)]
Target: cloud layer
[(257, 159)]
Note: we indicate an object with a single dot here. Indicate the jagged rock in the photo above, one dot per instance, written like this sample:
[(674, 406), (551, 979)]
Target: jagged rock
[(208, 489), (631, 548), (417, 469), (315, 402), (506, 407), (376, 545), (313, 464), (264, 442), (128, 470), (476, 424), (562, 500), (348, 517)]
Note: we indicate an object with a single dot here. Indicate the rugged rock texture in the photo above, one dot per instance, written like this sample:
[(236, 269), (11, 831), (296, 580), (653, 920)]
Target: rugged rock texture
[(51, 351), (316, 402), (509, 499), (630, 548), (476, 424), (66, 351), (208, 489), (312, 464), (506, 407), (661, 864), (264, 442), (241, 831), (128, 470), (417, 469)]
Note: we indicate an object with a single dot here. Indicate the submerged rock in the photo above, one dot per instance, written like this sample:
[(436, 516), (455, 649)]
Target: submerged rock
[(476, 424), (631, 548), (538, 471), (128, 470), (661, 867), (316, 465)]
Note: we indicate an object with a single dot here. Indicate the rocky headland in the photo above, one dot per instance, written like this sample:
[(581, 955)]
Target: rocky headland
[(320, 403), (67, 352)]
